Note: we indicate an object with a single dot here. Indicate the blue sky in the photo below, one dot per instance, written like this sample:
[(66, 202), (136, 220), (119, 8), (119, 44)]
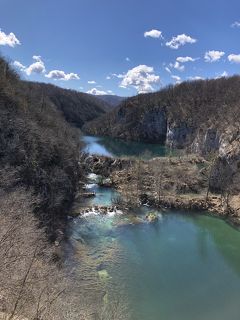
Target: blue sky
[(123, 46)]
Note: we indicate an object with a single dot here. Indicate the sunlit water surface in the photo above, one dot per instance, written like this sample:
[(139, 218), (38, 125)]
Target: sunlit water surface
[(182, 267)]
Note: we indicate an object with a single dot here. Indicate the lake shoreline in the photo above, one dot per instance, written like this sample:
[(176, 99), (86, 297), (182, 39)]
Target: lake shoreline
[(118, 172)]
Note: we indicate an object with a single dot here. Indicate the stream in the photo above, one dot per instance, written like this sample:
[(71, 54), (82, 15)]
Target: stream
[(183, 266)]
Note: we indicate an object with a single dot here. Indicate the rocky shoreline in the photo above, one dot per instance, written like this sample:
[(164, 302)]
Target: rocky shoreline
[(119, 174)]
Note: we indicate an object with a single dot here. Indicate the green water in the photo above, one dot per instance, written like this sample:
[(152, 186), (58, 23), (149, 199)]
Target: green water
[(118, 148), (182, 267)]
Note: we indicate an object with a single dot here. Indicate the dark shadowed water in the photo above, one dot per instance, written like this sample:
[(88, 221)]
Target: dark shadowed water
[(182, 267)]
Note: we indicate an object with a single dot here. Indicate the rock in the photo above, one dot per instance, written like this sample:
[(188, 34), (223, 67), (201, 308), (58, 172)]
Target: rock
[(88, 194), (106, 183)]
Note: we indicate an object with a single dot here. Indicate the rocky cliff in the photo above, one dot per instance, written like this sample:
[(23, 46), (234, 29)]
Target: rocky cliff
[(200, 116)]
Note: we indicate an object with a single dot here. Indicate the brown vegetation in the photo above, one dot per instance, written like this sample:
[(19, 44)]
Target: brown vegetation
[(37, 144)]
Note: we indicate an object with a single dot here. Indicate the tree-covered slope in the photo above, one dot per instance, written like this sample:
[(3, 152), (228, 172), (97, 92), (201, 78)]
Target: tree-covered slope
[(38, 148), (112, 100), (193, 113), (76, 107)]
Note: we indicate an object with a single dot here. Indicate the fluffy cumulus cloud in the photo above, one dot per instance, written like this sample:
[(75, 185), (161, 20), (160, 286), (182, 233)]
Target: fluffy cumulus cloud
[(185, 59), (177, 79), (61, 75), (97, 92), (92, 82), (153, 34), (37, 66), (179, 41), (213, 55), (142, 78), (234, 58), (235, 24), (8, 39), (19, 65)]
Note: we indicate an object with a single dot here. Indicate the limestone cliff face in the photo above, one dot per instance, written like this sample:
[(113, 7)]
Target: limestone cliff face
[(153, 125), (206, 141), (178, 135)]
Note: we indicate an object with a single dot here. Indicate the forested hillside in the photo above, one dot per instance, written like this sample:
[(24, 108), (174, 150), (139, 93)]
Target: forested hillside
[(180, 115), (38, 148), (76, 107)]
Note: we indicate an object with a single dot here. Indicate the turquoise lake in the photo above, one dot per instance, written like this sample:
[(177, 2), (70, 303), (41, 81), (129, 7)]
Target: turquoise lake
[(118, 148), (185, 266)]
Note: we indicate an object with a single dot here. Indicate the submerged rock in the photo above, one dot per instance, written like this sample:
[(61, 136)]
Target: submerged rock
[(152, 217), (103, 275)]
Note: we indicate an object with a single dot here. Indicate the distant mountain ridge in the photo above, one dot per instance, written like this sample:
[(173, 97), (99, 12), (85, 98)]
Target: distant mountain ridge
[(112, 100)]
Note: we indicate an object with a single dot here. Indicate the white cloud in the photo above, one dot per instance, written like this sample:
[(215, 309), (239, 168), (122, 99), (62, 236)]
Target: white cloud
[(61, 75), (19, 65), (153, 34), (108, 77), (97, 92), (235, 24), (127, 59), (177, 66), (180, 40), (39, 67), (168, 70), (234, 58), (196, 78), (224, 74), (176, 78), (120, 76), (92, 82), (8, 39), (213, 55), (185, 59), (142, 78), (35, 67), (110, 92)]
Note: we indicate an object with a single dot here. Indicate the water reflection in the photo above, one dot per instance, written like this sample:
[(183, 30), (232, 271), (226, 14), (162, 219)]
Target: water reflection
[(181, 267), (118, 148)]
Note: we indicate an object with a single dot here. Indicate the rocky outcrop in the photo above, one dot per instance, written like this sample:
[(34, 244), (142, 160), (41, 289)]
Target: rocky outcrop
[(178, 135), (153, 125), (105, 165), (206, 141)]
